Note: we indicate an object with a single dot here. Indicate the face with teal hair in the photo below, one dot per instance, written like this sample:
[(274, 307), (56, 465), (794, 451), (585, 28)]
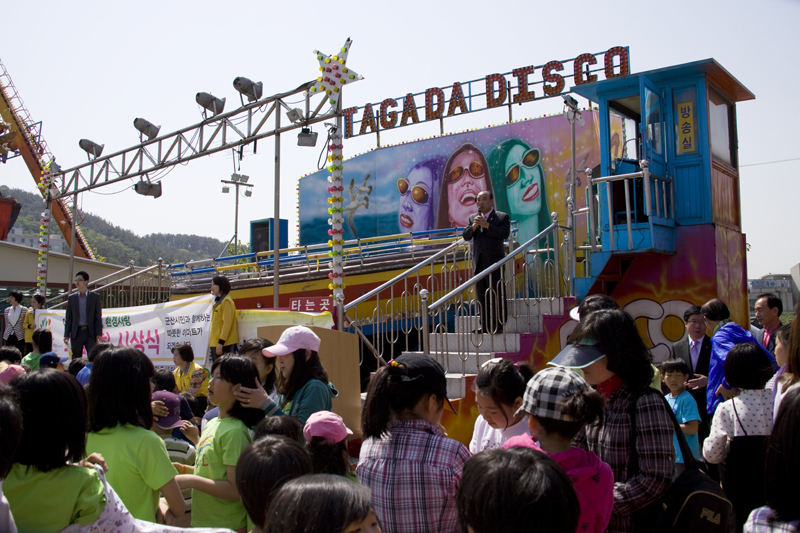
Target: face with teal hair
[(524, 181)]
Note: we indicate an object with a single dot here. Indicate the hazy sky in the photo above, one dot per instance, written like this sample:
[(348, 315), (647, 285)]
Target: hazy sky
[(87, 70)]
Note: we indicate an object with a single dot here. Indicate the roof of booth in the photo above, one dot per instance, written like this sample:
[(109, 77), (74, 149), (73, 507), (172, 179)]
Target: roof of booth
[(708, 67)]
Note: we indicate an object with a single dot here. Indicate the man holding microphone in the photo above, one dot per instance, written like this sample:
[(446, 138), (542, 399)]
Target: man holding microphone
[(489, 228)]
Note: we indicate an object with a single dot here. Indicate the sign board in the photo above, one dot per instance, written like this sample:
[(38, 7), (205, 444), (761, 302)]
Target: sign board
[(524, 84), (312, 305), (156, 329)]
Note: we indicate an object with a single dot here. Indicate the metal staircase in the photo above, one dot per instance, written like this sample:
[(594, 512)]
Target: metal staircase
[(432, 306)]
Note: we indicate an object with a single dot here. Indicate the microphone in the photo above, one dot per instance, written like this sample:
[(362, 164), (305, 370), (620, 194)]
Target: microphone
[(480, 228)]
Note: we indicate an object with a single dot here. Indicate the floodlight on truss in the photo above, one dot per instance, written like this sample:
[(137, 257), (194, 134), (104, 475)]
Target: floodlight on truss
[(91, 148), (249, 89), (210, 102), (306, 137), (146, 188), (295, 115), (146, 128)]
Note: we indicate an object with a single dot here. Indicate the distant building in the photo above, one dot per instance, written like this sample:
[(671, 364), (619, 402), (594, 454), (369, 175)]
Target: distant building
[(16, 236), (782, 285)]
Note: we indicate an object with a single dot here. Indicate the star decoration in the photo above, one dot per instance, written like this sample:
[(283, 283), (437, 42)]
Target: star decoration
[(334, 73)]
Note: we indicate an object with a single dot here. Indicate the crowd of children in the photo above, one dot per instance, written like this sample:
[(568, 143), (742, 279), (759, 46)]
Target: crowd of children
[(584, 444)]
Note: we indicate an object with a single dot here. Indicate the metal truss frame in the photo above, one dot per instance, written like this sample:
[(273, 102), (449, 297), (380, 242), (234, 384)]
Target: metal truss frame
[(221, 132)]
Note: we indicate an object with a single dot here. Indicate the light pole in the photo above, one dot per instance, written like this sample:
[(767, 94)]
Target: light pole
[(237, 180)]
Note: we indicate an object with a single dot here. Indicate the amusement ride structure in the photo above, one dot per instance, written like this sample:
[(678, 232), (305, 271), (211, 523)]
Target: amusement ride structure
[(651, 217)]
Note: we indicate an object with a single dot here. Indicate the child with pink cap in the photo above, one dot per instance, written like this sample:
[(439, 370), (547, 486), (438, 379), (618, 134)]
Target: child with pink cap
[(325, 435), (305, 388)]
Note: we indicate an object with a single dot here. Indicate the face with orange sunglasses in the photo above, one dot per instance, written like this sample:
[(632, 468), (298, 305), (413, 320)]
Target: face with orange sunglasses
[(465, 178), (524, 180), (416, 199)]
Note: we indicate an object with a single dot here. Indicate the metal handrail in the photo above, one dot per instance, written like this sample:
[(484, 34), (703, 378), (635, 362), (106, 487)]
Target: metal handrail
[(477, 277), (407, 273), (661, 206), (66, 295)]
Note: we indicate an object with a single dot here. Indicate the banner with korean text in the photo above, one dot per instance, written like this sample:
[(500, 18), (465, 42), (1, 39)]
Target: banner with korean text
[(153, 329), (156, 329)]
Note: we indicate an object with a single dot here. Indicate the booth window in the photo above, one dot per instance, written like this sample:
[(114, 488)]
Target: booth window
[(653, 120), (623, 122), (684, 101), (719, 118)]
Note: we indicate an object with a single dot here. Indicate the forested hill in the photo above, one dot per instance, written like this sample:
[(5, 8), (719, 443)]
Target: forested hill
[(117, 245)]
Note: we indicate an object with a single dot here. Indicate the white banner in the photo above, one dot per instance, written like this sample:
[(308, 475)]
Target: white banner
[(155, 329)]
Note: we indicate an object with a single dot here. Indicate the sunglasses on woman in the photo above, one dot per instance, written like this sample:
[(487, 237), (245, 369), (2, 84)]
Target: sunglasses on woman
[(529, 160), (418, 193), (474, 169)]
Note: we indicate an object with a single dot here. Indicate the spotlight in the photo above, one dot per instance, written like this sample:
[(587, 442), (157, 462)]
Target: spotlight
[(91, 148), (249, 89), (226, 190), (306, 137), (241, 178), (248, 193), (570, 101), (146, 128), (295, 115), (145, 188), (210, 102)]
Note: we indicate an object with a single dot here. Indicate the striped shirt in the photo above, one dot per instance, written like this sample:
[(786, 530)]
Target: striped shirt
[(183, 453), (413, 471)]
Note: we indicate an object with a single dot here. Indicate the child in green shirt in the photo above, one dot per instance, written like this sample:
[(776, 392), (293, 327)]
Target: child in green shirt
[(120, 416), (46, 469), (41, 342), (10, 434), (215, 498)]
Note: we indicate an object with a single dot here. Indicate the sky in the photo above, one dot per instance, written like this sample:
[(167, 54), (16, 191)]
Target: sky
[(88, 72)]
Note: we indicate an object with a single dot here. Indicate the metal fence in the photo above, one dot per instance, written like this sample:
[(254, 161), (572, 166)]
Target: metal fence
[(397, 314), (126, 288)]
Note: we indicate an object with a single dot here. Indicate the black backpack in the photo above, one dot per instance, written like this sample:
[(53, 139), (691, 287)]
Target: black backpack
[(694, 501)]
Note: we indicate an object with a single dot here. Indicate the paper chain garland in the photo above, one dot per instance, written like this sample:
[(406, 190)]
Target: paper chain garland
[(44, 234), (336, 221)]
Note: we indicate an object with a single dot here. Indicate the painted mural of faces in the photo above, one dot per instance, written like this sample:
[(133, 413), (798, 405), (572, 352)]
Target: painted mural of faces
[(524, 181), (419, 195), (416, 200), (465, 176)]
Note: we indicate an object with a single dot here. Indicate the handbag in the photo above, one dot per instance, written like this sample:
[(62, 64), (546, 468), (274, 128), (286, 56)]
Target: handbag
[(693, 502)]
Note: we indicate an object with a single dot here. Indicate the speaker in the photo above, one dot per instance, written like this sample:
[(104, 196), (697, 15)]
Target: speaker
[(261, 238)]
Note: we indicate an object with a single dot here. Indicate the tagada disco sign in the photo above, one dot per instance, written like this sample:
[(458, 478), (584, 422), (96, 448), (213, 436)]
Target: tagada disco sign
[(495, 90)]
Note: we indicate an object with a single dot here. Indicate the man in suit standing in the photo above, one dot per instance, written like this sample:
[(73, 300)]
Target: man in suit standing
[(768, 313), (489, 228), (695, 350), (83, 326)]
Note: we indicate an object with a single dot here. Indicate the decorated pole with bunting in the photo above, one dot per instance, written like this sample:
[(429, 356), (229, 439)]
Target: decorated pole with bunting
[(44, 229), (334, 75)]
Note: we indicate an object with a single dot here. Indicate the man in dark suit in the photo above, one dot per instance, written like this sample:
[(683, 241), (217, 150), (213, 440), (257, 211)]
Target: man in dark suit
[(768, 313), (695, 350), (83, 326), (488, 229)]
